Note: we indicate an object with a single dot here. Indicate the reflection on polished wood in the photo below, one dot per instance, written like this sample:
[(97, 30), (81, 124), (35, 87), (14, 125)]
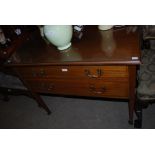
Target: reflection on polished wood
[(92, 48)]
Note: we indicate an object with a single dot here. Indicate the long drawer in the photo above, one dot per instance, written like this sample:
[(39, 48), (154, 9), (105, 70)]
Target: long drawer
[(88, 72), (117, 88)]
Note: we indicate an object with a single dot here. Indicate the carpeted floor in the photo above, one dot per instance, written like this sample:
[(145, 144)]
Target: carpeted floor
[(22, 112)]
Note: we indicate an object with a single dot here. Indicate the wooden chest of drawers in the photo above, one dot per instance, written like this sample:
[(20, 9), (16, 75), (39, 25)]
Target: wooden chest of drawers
[(94, 66), (94, 81)]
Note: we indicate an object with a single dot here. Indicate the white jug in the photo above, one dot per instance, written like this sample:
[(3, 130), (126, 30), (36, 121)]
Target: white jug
[(105, 27), (59, 35)]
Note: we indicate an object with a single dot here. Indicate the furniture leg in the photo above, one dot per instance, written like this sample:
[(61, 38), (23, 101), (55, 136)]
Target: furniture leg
[(138, 111), (131, 111), (34, 95), (132, 92), (40, 102)]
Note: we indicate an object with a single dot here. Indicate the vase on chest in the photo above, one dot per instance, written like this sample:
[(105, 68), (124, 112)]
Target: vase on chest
[(59, 35)]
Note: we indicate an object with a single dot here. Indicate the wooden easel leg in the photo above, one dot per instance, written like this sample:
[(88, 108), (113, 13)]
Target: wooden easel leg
[(40, 102), (33, 94)]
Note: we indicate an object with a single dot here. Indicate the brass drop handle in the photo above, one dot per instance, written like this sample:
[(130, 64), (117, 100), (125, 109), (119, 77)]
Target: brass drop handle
[(40, 74), (47, 86), (93, 89), (98, 71), (34, 74), (50, 86)]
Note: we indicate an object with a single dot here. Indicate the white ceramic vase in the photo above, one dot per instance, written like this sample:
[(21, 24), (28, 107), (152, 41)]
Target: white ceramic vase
[(59, 35), (105, 27)]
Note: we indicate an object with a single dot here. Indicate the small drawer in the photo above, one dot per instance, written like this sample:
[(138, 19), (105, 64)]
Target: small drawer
[(92, 88), (88, 72)]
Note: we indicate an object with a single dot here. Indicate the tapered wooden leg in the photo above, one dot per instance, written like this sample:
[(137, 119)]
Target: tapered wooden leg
[(131, 111), (138, 110), (132, 92)]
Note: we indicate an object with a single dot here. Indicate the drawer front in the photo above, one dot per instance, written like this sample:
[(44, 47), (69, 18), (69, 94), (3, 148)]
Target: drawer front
[(88, 72), (93, 88)]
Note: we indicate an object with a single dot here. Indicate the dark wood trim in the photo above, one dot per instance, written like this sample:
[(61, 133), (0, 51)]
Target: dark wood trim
[(137, 62), (132, 92)]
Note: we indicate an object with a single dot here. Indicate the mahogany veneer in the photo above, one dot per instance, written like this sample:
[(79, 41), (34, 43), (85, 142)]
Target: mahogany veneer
[(101, 64)]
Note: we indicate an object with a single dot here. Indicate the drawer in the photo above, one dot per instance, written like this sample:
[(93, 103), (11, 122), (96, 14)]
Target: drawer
[(93, 88), (88, 72)]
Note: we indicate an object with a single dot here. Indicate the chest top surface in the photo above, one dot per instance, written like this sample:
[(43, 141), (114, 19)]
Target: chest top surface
[(96, 47)]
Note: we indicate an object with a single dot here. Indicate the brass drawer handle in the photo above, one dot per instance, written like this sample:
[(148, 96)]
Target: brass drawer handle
[(34, 73), (42, 73), (47, 86), (50, 87), (98, 71), (93, 90)]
